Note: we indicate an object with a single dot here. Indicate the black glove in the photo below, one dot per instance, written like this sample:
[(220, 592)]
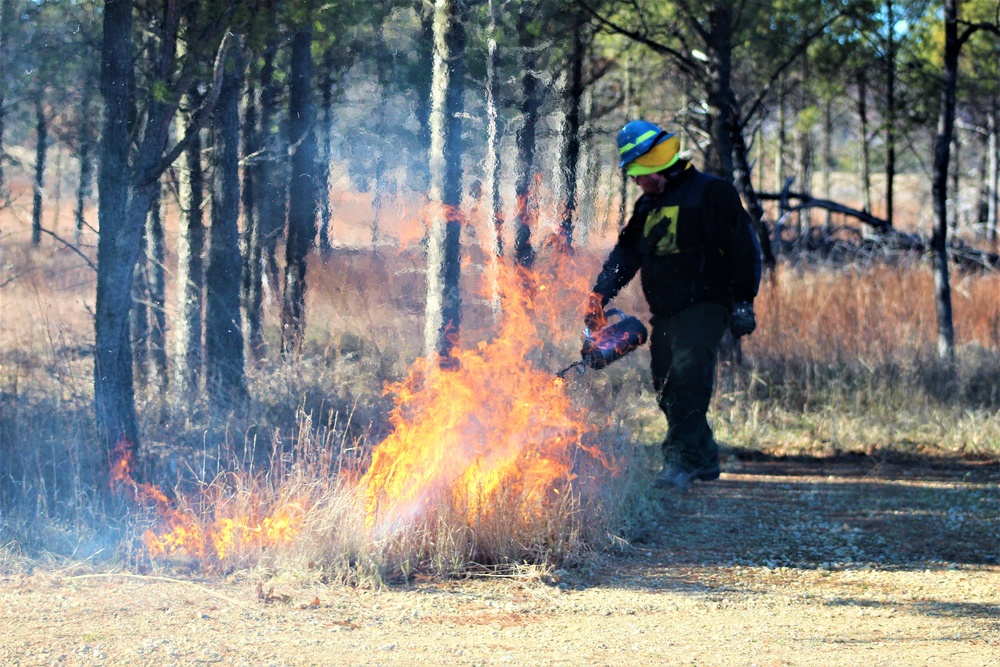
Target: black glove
[(742, 321)]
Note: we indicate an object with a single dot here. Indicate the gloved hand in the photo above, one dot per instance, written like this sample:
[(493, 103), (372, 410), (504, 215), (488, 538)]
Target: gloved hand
[(593, 314), (742, 321)]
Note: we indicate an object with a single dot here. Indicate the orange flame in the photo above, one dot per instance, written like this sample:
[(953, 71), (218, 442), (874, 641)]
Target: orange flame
[(228, 529), (491, 424)]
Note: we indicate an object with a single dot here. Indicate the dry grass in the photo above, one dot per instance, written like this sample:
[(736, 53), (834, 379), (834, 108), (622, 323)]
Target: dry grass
[(843, 360)]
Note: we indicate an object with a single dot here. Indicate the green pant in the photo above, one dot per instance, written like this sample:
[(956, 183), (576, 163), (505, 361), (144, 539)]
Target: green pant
[(684, 350)]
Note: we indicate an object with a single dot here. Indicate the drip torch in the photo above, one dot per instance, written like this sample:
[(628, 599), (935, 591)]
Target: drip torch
[(609, 343)]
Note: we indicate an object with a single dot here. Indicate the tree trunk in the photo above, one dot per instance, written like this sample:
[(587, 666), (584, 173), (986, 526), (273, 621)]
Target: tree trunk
[(827, 159), (225, 379), (273, 168), (493, 155), (571, 157), (6, 16), (126, 192), (890, 111), (190, 265), (992, 176), (251, 292), (939, 185), (863, 144), (629, 104), (442, 320), (41, 146), (139, 315), (85, 158), (326, 151), (955, 173), (779, 157), (720, 93), (301, 193), (118, 247), (156, 280), (524, 254)]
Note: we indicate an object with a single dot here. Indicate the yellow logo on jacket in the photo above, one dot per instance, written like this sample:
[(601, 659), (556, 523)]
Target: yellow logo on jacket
[(667, 234)]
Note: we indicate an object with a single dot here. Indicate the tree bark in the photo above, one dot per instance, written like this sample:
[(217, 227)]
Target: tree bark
[(225, 379), (939, 185), (271, 187), (863, 145), (6, 16), (85, 158), (325, 150), (118, 247), (252, 295), (993, 172), (190, 268), (524, 254), (493, 139), (301, 193), (571, 157), (442, 320), (41, 148), (890, 111)]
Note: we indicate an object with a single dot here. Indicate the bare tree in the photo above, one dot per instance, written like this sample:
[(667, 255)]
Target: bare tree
[(444, 307), (301, 193)]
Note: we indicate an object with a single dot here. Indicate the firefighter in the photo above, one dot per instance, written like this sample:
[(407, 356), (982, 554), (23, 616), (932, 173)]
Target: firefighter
[(692, 243)]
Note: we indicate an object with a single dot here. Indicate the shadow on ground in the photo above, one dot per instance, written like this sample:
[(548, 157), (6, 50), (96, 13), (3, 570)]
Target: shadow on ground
[(913, 513)]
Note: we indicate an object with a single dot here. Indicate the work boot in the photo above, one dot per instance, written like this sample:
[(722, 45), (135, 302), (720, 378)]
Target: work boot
[(672, 477)]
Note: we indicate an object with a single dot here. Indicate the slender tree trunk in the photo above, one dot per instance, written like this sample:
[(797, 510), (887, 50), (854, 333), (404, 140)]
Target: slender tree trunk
[(863, 144), (252, 288), (301, 194), (493, 156), (190, 265), (955, 173), (779, 157), (139, 315), (85, 158), (827, 159), (939, 186), (157, 282), (524, 254), (326, 151), (623, 179), (571, 157), (993, 172), (6, 16), (890, 112), (41, 148), (443, 312), (225, 379), (270, 200)]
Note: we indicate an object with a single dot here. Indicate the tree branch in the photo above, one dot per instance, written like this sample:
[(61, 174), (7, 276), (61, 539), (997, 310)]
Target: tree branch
[(686, 64), (201, 114)]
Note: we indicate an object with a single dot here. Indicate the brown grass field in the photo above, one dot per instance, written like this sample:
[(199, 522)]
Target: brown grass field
[(843, 362)]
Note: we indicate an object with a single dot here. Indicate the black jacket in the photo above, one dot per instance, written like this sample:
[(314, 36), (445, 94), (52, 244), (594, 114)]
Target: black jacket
[(693, 243)]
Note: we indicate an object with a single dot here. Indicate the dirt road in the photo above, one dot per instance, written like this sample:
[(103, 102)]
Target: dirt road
[(777, 563)]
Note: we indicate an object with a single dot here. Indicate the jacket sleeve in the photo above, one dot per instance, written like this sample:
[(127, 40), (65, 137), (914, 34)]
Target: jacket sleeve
[(739, 243), (624, 260)]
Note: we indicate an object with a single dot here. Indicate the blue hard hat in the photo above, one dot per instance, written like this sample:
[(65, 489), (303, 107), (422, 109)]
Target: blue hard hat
[(636, 138)]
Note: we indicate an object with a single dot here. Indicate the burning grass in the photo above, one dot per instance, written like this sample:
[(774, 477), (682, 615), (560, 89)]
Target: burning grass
[(494, 463)]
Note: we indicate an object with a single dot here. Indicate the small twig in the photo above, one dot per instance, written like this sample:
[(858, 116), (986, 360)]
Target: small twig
[(70, 246)]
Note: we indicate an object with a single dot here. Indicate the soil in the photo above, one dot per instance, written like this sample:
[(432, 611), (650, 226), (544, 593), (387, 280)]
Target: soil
[(779, 562)]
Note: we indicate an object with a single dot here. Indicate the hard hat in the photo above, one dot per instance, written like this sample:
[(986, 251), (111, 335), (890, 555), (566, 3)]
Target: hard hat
[(637, 138)]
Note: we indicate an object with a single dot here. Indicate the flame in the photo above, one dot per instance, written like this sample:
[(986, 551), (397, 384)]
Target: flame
[(227, 529), (491, 423)]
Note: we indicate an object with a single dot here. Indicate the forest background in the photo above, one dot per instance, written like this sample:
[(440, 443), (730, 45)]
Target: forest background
[(239, 238)]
